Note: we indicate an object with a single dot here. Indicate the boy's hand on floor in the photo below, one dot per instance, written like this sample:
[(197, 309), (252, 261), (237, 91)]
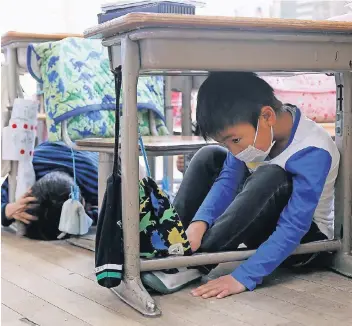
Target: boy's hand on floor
[(219, 288), (17, 210), (195, 234)]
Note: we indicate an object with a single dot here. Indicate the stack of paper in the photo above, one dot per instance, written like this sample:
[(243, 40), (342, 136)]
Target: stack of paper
[(134, 3)]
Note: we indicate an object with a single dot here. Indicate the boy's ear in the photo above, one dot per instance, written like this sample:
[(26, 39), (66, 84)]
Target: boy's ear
[(269, 115)]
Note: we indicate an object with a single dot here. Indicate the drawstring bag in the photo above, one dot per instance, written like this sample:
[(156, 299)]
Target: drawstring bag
[(74, 219), (109, 242), (162, 234), (161, 231)]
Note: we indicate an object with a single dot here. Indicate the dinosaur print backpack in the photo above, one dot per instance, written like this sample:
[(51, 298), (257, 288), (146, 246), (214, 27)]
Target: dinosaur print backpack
[(78, 87)]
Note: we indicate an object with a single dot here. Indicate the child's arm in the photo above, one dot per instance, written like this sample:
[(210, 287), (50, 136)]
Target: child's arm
[(223, 191), (4, 201), (17, 210), (309, 168)]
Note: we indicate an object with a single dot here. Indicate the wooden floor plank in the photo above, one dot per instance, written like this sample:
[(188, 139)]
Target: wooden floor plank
[(195, 313), (286, 309), (10, 317), (328, 278), (74, 282), (87, 288), (295, 282), (74, 304), (59, 253), (80, 285), (61, 276), (303, 299), (291, 323), (32, 309), (313, 318), (236, 310)]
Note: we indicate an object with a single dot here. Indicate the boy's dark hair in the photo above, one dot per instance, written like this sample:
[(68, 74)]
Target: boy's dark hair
[(228, 98), (51, 191)]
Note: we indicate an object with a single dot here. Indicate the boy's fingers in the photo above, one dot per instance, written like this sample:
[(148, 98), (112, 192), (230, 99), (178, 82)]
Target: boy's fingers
[(21, 219), (204, 289), (223, 294), (211, 293), (212, 282), (198, 291), (28, 217), (27, 200), (31, 206), (194, 245)]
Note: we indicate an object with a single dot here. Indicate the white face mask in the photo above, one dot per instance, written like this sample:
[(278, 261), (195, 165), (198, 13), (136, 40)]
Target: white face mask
[(253, 154)]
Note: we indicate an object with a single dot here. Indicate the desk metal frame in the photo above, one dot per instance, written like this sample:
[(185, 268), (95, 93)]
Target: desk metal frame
[(11, 51), (15, 58), (15, 49), (164, 50)]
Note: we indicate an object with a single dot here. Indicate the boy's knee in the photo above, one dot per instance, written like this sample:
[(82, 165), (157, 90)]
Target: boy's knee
[(213, 154), (271, 176)]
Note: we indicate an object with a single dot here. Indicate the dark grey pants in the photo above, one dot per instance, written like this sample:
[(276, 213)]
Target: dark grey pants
[(252, 216)]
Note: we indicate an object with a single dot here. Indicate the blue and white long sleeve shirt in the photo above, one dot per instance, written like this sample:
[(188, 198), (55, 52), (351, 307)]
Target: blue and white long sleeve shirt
[(312, 158)]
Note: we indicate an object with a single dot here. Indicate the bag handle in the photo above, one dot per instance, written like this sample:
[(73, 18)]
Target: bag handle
[(118, 83), (144, 153)]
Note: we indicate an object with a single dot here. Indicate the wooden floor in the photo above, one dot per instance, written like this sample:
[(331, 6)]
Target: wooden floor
[(51, 284)]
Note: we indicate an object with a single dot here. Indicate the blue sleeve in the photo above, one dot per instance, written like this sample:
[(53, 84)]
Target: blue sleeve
[(93, 213), (4, 201), (223, 191), (309, 168), (56, 156)]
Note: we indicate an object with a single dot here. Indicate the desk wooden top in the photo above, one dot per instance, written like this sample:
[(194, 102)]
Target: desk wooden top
[(135, 21), (163, 143), (152, 143), (11, 37)]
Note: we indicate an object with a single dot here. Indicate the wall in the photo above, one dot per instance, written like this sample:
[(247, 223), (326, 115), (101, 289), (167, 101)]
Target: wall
[(48, 16)]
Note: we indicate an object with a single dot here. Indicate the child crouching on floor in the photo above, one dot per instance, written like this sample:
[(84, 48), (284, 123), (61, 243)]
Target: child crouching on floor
[(270, 186)]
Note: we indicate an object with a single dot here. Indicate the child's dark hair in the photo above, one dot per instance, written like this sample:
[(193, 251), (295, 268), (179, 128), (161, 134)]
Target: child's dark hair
[(228, 98), (51, 191)]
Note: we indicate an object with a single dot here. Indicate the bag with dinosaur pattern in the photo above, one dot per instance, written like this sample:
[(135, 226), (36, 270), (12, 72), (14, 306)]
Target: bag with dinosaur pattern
[(161, 230), (78, 87)]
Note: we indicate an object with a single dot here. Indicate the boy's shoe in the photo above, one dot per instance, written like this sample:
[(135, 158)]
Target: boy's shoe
[(171, 280)]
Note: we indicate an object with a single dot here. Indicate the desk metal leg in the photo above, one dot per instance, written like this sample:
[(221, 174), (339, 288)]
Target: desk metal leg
[(153, 132), (104, 171), (11, 57), (186, 106), (169, 160), (131, 290), (152, 165), (187, 111), (343, 211)]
